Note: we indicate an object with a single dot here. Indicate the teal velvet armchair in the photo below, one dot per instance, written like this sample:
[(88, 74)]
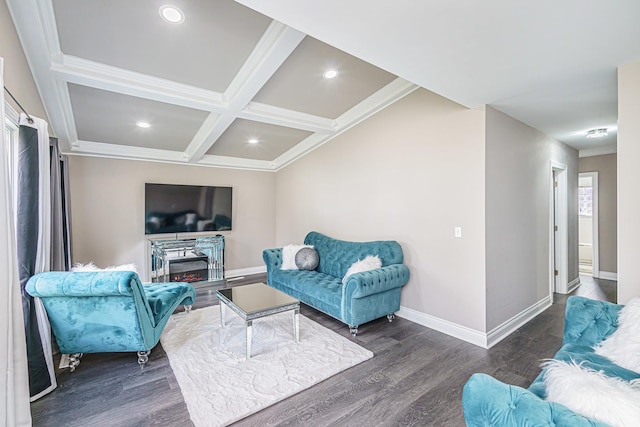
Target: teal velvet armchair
[(487, 401), (107, 311)]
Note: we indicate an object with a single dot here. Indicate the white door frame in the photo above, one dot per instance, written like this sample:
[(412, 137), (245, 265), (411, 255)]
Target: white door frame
[(594, 220), (558, 240)]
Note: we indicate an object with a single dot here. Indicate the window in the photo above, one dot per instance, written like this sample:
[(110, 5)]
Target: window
[(585, 201)]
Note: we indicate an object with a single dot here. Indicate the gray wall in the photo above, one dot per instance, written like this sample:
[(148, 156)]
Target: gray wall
[(628, 179), (17, 75), (107, 209), (410, 173), (517, 214), (607, 168)]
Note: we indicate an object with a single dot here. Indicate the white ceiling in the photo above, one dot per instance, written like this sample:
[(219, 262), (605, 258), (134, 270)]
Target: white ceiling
[(230, 73), (207, 86), (551, 64)]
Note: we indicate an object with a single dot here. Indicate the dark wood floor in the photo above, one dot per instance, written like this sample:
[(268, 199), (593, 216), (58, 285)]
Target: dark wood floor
[(415, 378)]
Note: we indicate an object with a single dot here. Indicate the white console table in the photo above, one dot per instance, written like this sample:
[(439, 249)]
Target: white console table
[(171, 260)]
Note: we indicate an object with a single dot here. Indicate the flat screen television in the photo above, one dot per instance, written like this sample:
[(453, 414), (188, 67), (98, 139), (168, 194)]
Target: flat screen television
[(186, 208)]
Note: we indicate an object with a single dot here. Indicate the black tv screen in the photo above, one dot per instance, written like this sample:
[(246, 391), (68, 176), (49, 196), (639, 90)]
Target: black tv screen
[(186, 208)]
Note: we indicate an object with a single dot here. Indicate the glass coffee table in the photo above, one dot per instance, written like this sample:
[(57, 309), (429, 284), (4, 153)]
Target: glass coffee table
[(252, 302)]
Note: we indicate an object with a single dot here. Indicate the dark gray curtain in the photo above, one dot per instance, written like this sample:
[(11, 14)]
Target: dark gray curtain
[(60, 231), (27, 246)]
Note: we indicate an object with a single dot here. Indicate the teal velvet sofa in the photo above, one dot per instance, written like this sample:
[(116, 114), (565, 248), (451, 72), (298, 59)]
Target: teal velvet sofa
[(364, 296), (489, 402), (107, 311)]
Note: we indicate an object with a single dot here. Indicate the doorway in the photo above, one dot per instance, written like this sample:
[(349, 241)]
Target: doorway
[(588, 224), (558, 230)]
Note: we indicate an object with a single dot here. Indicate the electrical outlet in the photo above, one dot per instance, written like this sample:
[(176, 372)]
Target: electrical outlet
[(457, 231)]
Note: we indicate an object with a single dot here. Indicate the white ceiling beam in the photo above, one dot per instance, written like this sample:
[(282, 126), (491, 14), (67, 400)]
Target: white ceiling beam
[(114, 79), (36, 29), (212, 128), (394, 91), (273, 48), (260, 112), (64, 105)]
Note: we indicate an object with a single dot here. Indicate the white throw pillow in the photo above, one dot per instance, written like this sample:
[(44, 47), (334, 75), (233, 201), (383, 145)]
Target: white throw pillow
[(92, 267), (289, 256), (84, 267), (623, 346), (370, 262), (123, 267), (592, 394)]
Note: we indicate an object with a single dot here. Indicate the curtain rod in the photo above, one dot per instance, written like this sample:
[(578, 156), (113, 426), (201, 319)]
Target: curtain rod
[(16, 101)]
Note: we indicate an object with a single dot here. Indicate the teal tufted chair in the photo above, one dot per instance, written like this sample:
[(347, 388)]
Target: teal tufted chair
[(489, 402), (107, 311)]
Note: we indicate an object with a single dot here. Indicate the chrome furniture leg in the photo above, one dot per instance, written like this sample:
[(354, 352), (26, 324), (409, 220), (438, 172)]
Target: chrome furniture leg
[(353, 330), (143, 357), (391, 317), (249, 330), (296, 325), (221, 313), (187, 308), (74, 361)]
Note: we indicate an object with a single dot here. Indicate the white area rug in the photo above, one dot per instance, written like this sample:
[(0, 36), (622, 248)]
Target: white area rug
[(220, 387)]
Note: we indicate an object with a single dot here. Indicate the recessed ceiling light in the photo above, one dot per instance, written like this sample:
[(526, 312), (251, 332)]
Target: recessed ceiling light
[(143, 125), (253, 141), (330, 74), (597, 133), (171, 14)]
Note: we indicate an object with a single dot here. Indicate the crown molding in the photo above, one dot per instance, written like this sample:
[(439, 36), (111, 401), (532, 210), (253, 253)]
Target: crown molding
[(127, 152), (236, 163), (99, 149), (394, 91)]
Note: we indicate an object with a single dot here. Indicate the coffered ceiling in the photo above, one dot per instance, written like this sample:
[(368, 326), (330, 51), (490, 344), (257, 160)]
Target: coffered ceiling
[(205, 87), (243, 70), (550, 64)]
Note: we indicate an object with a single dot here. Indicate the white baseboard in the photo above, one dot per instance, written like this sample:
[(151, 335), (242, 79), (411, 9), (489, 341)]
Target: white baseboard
[(481, 339), (573, 285), (502, 331), (606, 275), (452, 329), (246, 271)]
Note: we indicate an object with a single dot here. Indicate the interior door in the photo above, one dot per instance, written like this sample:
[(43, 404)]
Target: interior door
[(555, 232)]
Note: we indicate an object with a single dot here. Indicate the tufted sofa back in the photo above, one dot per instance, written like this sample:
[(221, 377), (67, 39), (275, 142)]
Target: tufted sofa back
[(589, 322), (336, 256)]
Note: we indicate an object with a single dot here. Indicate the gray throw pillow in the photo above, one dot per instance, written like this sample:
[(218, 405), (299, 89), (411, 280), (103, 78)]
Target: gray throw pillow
[(307, 259)]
